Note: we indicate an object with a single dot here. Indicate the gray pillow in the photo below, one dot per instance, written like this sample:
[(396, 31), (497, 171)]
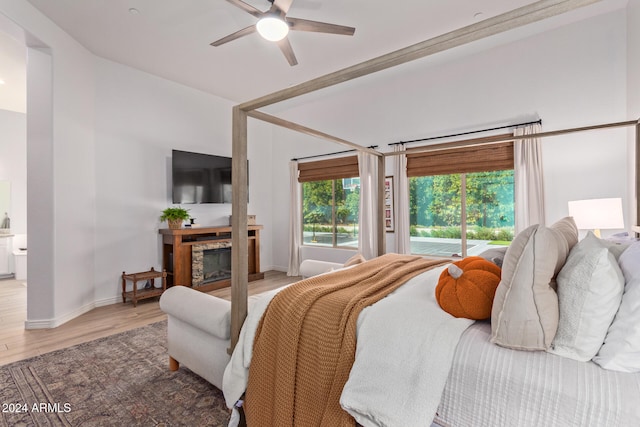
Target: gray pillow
[(616, 248), (495, 255)]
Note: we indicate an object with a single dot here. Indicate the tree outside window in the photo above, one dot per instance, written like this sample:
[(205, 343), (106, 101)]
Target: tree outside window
[(330, 212), (438, 203)]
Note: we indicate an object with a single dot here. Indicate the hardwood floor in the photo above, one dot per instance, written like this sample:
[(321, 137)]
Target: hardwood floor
[(16, 343)]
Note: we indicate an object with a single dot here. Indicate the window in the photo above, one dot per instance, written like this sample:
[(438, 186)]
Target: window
[(330, 213), (330, 202), (461, 200)]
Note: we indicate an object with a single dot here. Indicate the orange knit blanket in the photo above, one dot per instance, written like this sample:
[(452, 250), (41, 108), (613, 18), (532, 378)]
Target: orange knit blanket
[(305, 343)]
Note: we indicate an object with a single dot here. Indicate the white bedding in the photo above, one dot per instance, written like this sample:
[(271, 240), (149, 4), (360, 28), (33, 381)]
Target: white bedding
[(404, 351), (415, 338), (493, 386)]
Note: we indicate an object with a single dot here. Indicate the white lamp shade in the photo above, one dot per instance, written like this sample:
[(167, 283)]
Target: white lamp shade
[(595, 214), (272, 28)]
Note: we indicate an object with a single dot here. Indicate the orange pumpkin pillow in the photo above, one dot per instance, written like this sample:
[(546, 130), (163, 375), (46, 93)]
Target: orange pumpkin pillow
[(466, 288)]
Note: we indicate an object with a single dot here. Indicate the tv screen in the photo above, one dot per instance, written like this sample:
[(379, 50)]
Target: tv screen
[(200, 178)]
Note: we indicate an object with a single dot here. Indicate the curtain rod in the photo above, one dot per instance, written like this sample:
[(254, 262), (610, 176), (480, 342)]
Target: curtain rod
[(330, 154), (498, 138), (466, 133)]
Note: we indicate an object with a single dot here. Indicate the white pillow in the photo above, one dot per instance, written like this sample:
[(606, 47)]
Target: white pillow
[(590, 287), (621, 349)]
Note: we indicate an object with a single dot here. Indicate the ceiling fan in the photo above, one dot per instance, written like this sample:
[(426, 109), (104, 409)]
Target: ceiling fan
[(274, 25)]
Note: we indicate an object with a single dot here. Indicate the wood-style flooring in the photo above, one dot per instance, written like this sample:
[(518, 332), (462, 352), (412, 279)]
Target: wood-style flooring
[(16, 343)]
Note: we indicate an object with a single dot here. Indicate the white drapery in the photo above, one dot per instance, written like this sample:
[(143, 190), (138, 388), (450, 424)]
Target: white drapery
[(528, 182), (368, 216), (402, 237), (295, 220)]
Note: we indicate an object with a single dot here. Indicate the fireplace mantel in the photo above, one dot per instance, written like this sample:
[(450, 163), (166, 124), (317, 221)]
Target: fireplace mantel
[(177, 250)]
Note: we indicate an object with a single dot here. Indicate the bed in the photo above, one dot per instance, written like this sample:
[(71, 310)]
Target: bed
[(416, 364)]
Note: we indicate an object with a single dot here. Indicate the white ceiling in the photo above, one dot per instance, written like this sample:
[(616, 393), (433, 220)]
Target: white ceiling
[(171, 38)]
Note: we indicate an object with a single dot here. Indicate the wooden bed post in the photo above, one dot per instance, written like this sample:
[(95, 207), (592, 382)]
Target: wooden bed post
[(638, 173), (382, 235), (239, 230)]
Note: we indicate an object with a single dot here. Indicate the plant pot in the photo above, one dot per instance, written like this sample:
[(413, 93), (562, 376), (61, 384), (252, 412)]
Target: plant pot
[(175, 224)]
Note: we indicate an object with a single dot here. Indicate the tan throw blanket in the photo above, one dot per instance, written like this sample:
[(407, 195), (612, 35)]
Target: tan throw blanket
[(305, 343)]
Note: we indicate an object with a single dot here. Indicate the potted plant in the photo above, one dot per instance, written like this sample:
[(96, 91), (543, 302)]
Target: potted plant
[(175, 217)]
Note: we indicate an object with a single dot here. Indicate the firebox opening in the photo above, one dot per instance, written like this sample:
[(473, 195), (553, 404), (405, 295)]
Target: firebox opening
[(216, 265)]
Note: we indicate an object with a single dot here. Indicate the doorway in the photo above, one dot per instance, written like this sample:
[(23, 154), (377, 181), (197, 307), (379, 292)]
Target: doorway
[(27, 131)]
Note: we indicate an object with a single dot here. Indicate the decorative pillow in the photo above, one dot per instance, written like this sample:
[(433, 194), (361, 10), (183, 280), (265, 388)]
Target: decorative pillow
[(616, 248), (590, 289), (525, 315), (466, 288), (621, 348), (495, 255), (356, 259), (566, 234)]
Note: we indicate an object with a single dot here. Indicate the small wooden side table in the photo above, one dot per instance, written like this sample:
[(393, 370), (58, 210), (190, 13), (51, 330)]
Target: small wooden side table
[(138, 294)]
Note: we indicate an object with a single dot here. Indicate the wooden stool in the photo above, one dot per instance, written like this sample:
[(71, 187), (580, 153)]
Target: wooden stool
[(136, 294)]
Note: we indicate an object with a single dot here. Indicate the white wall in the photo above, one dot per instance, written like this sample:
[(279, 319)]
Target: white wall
[(140, 118), (571, 76)]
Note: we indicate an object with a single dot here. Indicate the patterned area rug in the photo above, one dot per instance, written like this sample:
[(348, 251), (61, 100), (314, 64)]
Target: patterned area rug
[(121, 380)]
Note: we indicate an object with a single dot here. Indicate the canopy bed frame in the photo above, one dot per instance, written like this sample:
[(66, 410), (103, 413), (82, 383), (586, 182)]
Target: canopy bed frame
[(528, 14)]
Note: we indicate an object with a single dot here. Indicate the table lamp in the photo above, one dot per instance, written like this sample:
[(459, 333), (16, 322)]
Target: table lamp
[(597, 214)]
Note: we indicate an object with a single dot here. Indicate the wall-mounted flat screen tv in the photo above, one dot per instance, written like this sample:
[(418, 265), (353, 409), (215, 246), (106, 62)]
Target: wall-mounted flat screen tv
[(200, 178)]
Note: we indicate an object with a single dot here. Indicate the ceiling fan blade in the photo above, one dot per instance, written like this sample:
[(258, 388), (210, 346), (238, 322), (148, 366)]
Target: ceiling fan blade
[(246, 7), (283, 5), (241, 33), (286, 48), (319, 27)]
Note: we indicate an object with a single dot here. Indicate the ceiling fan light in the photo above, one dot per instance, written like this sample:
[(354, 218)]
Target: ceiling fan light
[(272, 28)]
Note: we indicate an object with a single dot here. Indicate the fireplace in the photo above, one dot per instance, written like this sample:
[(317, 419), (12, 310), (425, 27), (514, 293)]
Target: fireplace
[(210, 262)]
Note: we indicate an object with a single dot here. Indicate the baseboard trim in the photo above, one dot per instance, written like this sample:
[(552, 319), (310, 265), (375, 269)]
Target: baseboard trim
[(108, 301), (54, 323), (39, 324)]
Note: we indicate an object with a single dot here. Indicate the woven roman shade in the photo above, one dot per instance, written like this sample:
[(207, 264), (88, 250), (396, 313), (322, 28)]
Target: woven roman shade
[(342, 167), (476, 158)]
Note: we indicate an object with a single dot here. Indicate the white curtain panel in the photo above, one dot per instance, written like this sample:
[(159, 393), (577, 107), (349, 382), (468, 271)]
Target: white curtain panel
[(368, 218), (402, 237), (295, 220), (529, 188)]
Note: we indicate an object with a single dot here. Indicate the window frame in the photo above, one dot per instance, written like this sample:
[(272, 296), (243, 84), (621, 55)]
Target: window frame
[(325, 170), (461, 158)]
